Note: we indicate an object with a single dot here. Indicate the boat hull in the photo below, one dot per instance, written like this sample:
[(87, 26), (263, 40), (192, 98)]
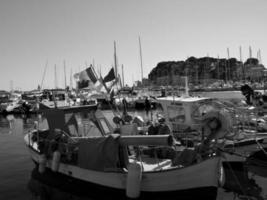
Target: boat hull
[(90, 190), (199, 180)]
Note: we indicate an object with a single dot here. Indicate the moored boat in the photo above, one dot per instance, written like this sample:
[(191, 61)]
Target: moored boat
[(80, 144)]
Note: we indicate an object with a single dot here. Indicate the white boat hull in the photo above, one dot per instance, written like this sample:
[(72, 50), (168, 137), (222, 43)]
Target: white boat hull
[(198, 177)]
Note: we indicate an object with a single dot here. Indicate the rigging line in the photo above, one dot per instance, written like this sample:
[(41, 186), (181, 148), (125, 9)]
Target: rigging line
[(260, 146), (46, 64)]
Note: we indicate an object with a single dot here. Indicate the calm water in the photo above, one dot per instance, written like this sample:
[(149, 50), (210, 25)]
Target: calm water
[(16, 167)]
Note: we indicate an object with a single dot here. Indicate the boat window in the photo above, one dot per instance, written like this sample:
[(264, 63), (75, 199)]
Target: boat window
[(89, 128), (82, 124), (176, 114), (104, 126)]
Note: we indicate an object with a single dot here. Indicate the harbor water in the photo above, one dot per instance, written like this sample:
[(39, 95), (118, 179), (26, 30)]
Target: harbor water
[(17, 169)]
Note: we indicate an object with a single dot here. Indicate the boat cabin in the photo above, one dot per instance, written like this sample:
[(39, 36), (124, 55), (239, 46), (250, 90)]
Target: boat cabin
[(78, 121), (182, 113)]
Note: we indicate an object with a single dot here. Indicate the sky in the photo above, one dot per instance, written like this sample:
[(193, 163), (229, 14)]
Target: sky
[(36, 33)]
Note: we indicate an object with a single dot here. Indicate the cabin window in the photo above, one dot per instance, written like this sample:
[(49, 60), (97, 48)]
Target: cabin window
[(176, 114), (89, 128)]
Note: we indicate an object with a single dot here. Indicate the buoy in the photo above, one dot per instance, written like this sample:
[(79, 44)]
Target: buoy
[(55, 161), (42, 163), (133, 184)]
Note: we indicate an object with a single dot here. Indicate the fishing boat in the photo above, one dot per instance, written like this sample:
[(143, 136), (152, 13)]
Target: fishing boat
[(81, 146), (54, 98), (242, 130)]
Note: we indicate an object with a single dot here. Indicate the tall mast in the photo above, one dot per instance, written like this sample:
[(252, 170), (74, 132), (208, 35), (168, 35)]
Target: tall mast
[(141, 60), (70, 79), (46, 64), (65, 74), (100, 71), (218, 67), (11, 86), (250, 52), (115, 61), (260, 56), (228, 66), (55, 77), (240, 54), (122, 73), (241, 60)]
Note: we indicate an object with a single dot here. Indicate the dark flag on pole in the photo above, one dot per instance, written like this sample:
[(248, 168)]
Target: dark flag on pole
[(110, 76)]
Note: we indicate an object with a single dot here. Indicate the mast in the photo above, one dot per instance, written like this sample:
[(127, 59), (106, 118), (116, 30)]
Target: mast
[(260, 56), (70, 79), (240, 54), (250, 52), (141, 60), (218, 67), (122, 72), (55, 77), (228, 66), (241, 60), (11, 85), (115, 61), (65, 74), (46, 64)]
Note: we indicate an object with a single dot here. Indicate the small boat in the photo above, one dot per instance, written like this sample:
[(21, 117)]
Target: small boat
[(54, 98), (81, 145)]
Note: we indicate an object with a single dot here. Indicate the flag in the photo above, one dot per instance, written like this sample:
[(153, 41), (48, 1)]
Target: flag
[(85, 77), (110, 76)]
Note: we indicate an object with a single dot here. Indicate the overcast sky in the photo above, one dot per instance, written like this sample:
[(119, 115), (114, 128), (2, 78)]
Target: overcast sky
[(33, 32)]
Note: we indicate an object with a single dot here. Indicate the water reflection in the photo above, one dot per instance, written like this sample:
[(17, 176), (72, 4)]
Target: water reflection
[(49, 186), (7, 123)]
